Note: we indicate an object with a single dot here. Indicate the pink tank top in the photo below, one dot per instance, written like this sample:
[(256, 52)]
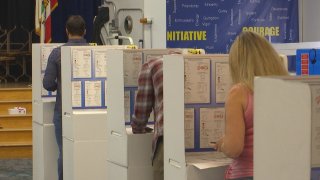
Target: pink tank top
[(243, 165)]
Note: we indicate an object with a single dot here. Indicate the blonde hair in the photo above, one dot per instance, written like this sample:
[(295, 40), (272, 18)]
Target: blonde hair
[(252, 55)]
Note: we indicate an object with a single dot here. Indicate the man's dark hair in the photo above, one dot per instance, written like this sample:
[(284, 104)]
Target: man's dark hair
[(76, 25)]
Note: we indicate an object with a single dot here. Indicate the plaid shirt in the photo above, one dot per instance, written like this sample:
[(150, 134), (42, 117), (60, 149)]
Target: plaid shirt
[(149, 97)]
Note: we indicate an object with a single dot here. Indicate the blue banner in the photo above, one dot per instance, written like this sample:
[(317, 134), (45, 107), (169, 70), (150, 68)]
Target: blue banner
[(214, 24)]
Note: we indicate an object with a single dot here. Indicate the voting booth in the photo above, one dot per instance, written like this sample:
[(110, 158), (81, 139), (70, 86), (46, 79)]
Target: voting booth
[(287, 128), (194, 92), (129, 155), (84, 111), (45, 148)]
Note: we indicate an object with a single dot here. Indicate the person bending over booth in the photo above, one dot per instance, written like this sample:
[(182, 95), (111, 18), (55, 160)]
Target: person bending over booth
[(150, 97)]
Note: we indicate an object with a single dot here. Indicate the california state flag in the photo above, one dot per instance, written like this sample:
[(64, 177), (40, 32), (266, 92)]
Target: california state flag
[(44, 8)]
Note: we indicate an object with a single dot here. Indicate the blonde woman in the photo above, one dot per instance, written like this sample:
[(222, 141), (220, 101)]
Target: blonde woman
[(250, 55)]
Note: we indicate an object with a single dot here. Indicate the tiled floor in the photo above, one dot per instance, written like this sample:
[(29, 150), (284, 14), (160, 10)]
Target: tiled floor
[(15, 169), (21, 169)]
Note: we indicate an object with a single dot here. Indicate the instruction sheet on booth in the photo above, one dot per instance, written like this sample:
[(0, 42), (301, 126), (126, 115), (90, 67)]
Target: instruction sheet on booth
[(81, 63), (127, 106), (76, 93), (92, 93), (223, 81), (44, 56), (212, 125), (45, 53), (100, 63), (189, 128), (315, 142), (132, 66), (197, 81)]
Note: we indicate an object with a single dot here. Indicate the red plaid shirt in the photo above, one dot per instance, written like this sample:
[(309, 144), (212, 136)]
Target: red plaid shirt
[(149, 97)]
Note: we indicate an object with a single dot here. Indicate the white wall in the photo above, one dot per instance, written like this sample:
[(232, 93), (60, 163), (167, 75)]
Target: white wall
[(310, 24), (155, 35)]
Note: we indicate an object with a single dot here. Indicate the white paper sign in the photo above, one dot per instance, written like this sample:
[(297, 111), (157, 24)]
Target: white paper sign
[(92, 93), (315, 137), (223, 81), (212, 125), (81, 63), (76, 94), (189, 128), (197, 81), (100, 61), (132, 66), (45, 53), (127, 106)]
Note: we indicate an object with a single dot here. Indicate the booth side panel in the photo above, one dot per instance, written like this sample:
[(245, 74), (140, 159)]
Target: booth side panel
[(116, 133), (281, 107), (173, 104)]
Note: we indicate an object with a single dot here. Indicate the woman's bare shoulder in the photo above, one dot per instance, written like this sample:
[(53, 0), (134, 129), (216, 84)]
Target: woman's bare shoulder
[(238, 92), (239, 88)]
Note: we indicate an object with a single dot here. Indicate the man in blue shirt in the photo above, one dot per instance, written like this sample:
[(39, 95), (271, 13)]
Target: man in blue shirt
[(75, 29)]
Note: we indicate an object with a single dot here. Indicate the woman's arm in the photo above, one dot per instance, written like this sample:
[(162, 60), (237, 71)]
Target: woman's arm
[(233, 142)]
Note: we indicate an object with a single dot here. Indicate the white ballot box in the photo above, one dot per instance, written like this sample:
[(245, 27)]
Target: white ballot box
[(45, 149), (129, 155), (287, 128), (194, 91)]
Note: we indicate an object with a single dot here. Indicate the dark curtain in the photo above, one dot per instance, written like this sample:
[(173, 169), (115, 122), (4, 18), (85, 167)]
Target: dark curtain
[(19, 14), (86, 8)]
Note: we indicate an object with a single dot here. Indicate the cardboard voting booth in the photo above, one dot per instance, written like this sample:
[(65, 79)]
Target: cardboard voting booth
[(84, 111), (45, 149), (194, 91), (129, 155), (287, 128)]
